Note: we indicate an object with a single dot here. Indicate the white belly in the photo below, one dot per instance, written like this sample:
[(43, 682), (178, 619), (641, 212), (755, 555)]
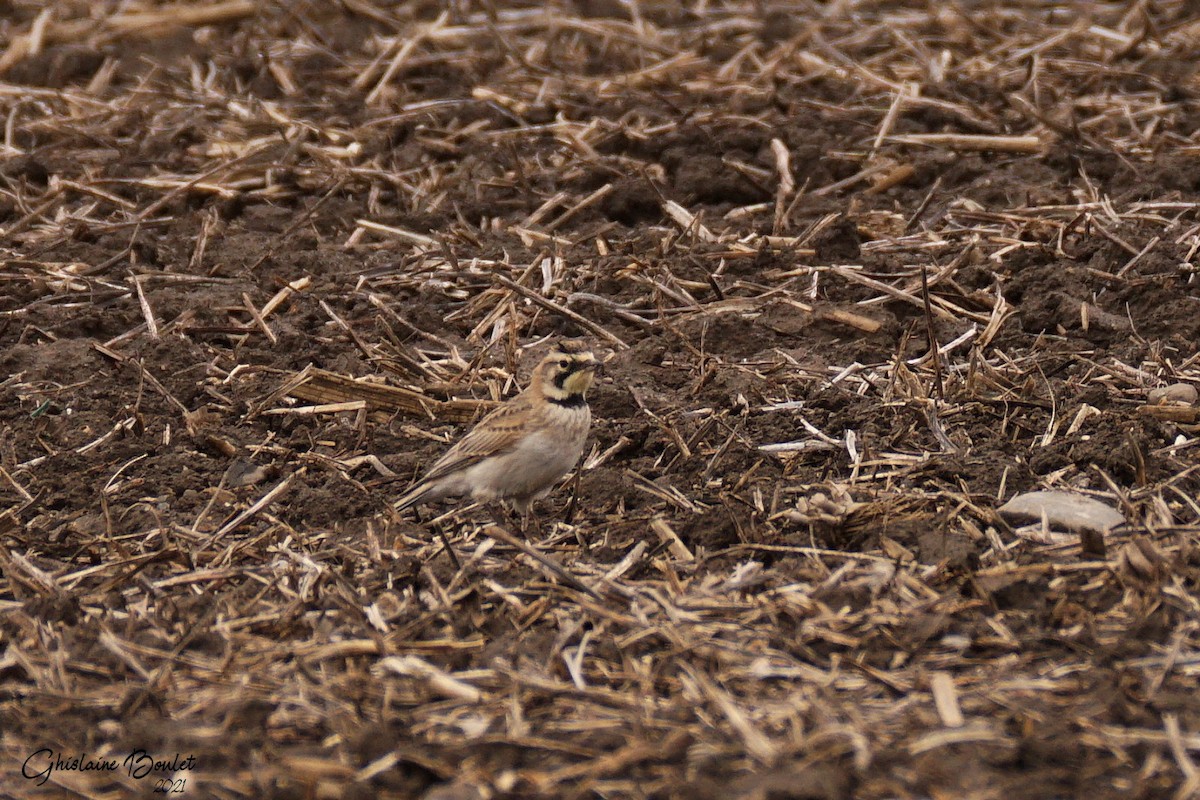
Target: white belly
[(532, 468)]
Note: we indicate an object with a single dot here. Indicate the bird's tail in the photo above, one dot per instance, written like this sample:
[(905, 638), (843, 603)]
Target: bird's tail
[(417, 494)]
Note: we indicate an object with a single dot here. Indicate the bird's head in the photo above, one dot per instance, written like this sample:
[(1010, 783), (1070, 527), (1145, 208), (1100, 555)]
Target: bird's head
[(567, 372)]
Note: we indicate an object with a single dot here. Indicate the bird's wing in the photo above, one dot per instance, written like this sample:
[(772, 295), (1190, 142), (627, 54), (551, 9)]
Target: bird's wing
[(496, 434)]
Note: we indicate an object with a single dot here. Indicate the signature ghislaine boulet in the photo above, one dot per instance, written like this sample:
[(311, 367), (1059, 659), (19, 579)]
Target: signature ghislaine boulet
[(41, 764)]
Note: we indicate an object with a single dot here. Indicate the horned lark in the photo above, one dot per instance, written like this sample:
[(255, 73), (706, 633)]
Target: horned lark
[(520, 450)]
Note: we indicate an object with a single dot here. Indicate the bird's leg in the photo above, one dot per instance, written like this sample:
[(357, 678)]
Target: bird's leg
[(441, 532), (519, 515), (530, 519), (579, 537), (499, 514), (569, 514)]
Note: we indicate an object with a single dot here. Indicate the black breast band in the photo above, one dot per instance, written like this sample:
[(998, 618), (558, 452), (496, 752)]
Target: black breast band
[(570, 401)]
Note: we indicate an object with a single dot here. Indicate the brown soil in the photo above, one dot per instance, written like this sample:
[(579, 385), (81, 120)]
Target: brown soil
[(163, 178)]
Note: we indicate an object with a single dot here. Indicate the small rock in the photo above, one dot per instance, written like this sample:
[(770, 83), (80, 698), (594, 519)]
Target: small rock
[(1083, 515), (243, 473), (1175, 394)]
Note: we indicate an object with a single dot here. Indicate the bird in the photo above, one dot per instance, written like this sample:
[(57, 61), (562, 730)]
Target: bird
[(519, 451)]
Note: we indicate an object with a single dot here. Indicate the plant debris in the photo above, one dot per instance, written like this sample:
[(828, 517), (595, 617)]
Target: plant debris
[(860, 273)]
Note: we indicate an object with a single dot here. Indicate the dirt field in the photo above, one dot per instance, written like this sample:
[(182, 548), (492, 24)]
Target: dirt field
[(782, 574)]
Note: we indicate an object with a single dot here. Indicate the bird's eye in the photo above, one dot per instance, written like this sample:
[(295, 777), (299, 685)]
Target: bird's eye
[(564, 364)]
